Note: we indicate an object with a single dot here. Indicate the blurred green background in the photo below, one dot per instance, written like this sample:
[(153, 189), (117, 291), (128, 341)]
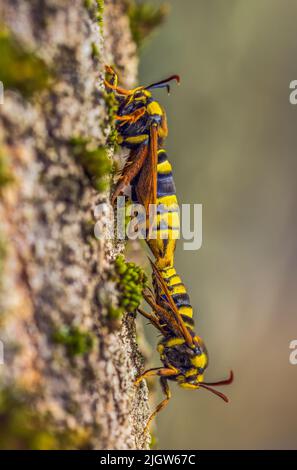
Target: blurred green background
[(232, 143)]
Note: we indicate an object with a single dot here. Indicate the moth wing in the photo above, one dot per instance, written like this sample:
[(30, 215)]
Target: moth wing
[(146, 188), (177, 316), (131, 168), (163, 316)]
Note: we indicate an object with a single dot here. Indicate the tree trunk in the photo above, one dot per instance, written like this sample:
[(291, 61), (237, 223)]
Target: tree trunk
[(67, 377)]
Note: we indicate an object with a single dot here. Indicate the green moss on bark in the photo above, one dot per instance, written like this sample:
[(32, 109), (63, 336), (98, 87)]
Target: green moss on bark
[(130, 280), (6, 176), (94, 160), (100, 11), (144, 18), (23, 427), (76, 341), (21, 69)]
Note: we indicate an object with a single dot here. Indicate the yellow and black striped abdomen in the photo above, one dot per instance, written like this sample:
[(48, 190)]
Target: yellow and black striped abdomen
[(178, 294), (165, 226)]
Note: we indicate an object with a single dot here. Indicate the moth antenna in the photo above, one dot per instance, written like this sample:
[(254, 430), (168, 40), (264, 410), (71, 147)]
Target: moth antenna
[(222, 382), (164, 83), (216, 392)]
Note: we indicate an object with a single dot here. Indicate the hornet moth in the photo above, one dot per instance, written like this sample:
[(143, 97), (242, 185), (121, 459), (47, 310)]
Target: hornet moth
[(182, 352)]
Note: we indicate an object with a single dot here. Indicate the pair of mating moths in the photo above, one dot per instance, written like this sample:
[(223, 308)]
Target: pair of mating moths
[(141, 127)]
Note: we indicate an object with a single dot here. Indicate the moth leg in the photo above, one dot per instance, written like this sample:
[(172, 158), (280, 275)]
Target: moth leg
[(130, 171), (133, 117), (160, 371), (161, 311), (167, 393), (112, 82), (152, 319), (113, 76)]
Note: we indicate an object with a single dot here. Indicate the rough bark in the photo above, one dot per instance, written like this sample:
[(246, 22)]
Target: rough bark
[(54, 272)]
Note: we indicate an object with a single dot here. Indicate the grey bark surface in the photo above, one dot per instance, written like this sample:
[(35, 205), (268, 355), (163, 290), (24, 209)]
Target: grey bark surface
[(55, 272)]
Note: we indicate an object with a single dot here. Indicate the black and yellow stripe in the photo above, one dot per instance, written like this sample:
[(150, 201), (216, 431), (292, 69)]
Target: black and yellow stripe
[(162, 237), (178, 294), (165, 227)]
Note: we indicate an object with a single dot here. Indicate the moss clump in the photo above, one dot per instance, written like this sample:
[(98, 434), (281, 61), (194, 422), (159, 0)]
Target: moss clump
[(95, 51), (94, 160), (21, 69), (112, 107), (22, 427), (99, 13), (131, 280), (88, 4), (144, 18), (6, 176), (77, 342)]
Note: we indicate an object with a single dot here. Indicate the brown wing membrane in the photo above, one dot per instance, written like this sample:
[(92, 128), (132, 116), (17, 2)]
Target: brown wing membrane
[(153, 320), (162, 317), (182, 327), (130, 170), (146, 188)]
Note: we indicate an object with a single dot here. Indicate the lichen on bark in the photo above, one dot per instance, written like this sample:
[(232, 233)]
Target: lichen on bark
[(53, 269)]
